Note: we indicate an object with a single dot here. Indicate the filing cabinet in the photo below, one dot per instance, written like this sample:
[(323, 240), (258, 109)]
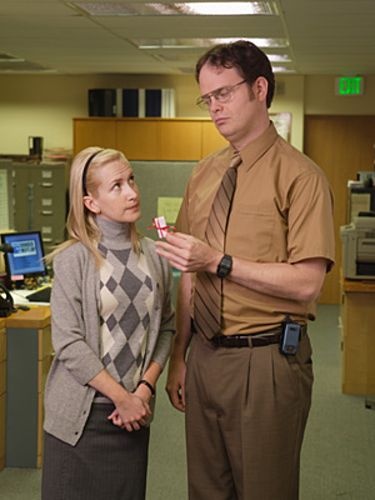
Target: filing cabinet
[(39, 199)]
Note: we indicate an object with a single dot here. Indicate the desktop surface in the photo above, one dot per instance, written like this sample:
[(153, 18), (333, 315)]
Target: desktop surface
[(27, 297)]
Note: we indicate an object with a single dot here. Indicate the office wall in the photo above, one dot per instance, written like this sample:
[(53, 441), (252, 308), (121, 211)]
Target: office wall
[(320, 98), (45, 105)]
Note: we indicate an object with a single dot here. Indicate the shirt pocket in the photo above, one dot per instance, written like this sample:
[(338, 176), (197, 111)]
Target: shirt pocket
[(251, 232)]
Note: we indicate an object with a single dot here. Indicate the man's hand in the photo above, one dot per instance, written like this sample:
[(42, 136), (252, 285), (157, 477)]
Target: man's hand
[(188, 254), (176, 383)]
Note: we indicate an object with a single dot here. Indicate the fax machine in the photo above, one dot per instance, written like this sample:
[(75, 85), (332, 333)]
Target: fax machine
[(358, 261)]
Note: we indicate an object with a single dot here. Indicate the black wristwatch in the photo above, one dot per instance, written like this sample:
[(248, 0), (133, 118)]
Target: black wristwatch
[(224, 267)]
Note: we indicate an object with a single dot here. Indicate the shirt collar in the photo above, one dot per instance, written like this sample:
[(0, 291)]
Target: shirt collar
[(253, 151)]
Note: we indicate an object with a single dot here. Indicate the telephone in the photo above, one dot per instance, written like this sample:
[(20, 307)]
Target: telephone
[(6, 302)]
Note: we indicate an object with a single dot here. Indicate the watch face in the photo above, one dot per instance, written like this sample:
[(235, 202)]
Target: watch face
[(224, 267)]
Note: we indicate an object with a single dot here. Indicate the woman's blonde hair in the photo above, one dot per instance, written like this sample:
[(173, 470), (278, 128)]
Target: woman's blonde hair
[(81, 222)]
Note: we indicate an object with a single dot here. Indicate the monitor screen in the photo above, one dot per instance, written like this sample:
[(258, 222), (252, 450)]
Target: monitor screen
[(26, 256)]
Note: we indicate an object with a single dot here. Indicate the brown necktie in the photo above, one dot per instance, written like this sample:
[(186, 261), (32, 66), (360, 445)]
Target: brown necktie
[(208, 287)]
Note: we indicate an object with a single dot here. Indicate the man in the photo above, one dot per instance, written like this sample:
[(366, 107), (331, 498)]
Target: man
[(246, 401)]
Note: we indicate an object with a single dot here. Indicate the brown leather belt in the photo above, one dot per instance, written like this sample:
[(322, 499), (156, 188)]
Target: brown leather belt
[(251, 340), (259, 339)]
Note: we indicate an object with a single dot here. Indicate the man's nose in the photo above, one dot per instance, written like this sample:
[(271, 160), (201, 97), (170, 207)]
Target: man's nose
[(214, 104)]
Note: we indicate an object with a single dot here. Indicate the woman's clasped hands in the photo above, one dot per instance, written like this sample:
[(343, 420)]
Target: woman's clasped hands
[(132, 411)]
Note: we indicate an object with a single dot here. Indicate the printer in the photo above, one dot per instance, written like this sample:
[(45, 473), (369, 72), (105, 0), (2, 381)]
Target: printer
[(358, 238)]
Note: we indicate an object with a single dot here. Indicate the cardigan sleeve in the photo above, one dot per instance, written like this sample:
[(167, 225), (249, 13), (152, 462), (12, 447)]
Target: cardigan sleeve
[(75, 343), (165, 316), (167, 324)]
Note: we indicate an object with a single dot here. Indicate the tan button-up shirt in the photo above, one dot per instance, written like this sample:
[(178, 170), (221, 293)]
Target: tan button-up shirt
[(282, 212)]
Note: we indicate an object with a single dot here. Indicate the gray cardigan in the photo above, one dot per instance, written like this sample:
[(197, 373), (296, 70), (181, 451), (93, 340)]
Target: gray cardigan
[(76, 335)]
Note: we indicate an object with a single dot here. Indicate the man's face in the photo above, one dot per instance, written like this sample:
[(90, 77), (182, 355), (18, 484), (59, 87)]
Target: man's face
[(238, 118)]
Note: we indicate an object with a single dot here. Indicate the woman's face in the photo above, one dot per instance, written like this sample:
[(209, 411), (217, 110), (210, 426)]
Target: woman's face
[(116, 197)]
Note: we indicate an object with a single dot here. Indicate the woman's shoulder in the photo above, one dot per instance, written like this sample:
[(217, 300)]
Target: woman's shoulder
[(72, 252)]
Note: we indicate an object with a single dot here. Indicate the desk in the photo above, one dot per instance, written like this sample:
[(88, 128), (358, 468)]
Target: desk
[(358, 337), (29, 356), (19, 298)]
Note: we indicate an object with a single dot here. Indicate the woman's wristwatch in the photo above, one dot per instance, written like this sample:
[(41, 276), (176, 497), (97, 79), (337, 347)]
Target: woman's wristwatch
[(147, 384)]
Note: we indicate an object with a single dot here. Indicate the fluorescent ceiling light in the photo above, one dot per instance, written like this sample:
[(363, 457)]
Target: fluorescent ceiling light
[(197, 43), (226, 8), (282, 69), (266, 7), (279, 58)]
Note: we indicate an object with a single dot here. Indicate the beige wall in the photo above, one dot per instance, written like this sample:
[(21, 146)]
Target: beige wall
[(45, 105), (320, 98)]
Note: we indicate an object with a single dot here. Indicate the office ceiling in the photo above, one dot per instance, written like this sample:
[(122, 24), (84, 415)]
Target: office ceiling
[(335, 37)]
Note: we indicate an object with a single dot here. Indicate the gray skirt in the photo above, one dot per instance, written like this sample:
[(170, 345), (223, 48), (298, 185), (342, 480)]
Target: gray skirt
[(106, 463)]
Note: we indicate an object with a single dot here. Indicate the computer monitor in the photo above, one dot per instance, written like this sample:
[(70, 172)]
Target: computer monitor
[(26, 259)]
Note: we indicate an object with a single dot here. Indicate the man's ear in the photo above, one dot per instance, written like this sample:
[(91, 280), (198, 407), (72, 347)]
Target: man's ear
[(260, 88), (91, 204)]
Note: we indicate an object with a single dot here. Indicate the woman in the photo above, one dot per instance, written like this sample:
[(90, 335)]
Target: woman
[(112, 323)]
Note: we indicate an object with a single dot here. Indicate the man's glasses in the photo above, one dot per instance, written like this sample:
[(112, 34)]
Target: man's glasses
[(222, 95)]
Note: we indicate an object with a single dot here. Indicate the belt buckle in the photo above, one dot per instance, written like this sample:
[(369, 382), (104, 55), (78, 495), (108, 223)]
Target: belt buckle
[(249, 340), (240, 341)]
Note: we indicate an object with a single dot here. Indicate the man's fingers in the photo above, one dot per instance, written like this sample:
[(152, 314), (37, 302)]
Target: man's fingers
[(176, 399)]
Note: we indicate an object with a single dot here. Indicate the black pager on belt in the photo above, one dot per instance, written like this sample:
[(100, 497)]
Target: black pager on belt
[(290, 337)]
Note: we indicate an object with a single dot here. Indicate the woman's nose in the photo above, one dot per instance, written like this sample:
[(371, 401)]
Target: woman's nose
[(131, 192)]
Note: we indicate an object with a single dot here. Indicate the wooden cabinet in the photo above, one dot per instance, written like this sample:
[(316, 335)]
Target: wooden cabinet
[(2, 391), (358, 337), (211, 139), (29, 356), (180, 140), (99, 132), (174, 139), (137, 139)]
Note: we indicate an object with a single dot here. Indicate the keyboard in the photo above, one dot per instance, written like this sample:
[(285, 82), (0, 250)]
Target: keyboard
[(42, 295)]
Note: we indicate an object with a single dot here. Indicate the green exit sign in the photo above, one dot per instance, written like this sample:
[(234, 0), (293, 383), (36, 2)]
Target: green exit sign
[(349, 85)]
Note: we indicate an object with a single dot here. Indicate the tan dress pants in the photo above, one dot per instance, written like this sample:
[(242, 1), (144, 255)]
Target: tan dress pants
[(245, 419)]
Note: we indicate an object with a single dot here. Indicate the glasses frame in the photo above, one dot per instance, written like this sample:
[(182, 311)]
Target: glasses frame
[(205, 101)]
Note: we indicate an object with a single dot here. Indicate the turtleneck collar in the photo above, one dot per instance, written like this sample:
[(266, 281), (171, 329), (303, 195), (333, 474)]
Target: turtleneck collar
[(113, 231)]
